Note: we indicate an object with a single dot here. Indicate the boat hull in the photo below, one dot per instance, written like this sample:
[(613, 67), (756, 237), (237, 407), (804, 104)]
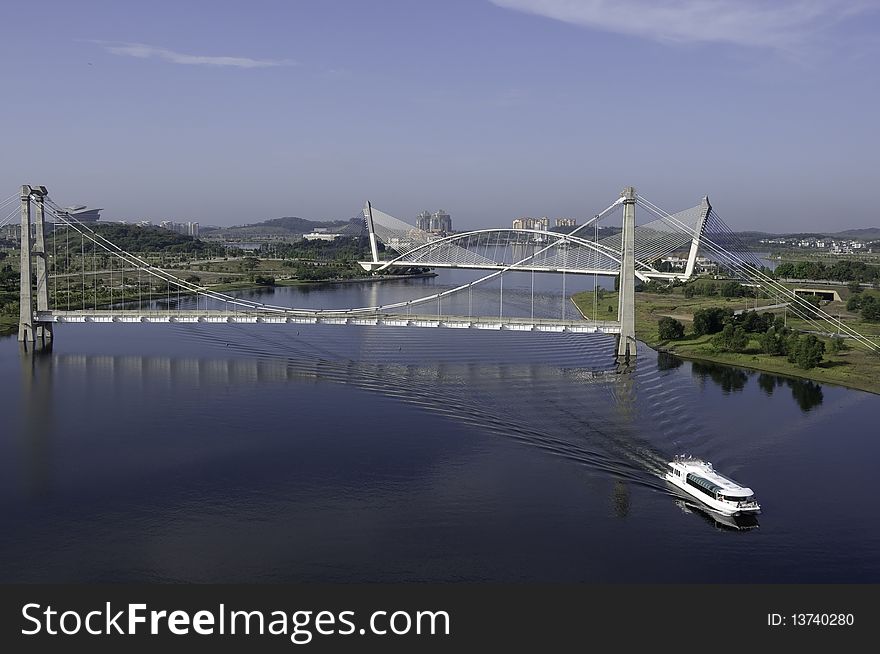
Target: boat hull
[(724, 508)]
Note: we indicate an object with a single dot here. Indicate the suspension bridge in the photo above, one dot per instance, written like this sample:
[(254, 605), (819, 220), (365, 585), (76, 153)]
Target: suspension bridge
[(633, 253)]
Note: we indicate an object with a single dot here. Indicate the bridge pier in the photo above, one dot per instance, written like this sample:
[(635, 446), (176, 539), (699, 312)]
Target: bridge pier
[(626, 312)]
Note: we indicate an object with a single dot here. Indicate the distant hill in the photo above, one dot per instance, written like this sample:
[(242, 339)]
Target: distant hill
[(866, 234), (288, 226)]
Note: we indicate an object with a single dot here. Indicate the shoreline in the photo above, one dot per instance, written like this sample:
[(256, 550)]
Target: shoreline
[(352, 280), (784, 369), (755, 368)]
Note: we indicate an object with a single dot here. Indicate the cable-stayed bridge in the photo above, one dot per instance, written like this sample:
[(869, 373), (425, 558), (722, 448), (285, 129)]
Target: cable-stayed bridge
[(632, 253)]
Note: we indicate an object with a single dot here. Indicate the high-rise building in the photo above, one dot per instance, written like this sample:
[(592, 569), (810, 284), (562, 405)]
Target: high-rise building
[(527, 222), (566, 222), (441, 221), (423, 221), (187, 229), (438, 222)]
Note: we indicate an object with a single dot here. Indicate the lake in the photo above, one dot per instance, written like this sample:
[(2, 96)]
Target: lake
[(283, 453)]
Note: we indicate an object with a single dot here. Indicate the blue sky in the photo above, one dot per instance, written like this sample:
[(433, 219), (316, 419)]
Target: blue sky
[(233, 112)]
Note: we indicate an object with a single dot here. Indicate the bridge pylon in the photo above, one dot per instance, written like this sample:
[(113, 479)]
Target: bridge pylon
[(371, 230), (34, 264), (626, 312), (705, 208)]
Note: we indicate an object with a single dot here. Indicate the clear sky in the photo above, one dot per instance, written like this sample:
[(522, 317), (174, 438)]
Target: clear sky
[(231, 112)]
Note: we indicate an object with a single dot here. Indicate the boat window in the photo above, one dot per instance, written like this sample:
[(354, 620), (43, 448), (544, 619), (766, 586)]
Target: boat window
[(703, 485), (730, 498)]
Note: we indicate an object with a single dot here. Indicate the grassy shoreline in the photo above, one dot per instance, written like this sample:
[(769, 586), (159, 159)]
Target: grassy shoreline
[(852, 368)]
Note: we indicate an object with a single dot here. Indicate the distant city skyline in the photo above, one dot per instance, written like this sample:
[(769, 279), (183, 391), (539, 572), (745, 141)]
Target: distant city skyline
[(530, 108)]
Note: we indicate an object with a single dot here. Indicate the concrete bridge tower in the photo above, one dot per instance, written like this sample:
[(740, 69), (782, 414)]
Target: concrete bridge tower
[(626, 313), (33, 264)]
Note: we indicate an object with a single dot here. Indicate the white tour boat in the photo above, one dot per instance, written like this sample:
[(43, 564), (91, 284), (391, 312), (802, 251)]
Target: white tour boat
[(700, 480)]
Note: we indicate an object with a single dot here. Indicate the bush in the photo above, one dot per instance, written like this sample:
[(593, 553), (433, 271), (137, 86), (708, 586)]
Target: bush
[(805, 351), (669, 329)]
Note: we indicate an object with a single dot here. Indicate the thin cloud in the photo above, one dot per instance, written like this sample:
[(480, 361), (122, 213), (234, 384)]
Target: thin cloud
[(780, 24), (143, 51)]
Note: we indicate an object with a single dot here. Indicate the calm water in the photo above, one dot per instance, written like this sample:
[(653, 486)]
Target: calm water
[(281, 453)]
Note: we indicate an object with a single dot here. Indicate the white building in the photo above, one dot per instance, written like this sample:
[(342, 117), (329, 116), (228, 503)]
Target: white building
[(83, 214)]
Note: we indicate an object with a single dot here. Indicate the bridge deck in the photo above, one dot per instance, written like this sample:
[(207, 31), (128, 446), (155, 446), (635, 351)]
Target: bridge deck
[(331, 318)]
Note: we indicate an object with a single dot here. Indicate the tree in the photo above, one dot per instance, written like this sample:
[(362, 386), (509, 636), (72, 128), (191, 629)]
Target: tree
[(731, 289), (854, 287), (755, 322), (854, 303), (669, 329), (731, 339), (870, 308), (805, 351), (837, 344), (772, 342), (710, 320), (689, 290)]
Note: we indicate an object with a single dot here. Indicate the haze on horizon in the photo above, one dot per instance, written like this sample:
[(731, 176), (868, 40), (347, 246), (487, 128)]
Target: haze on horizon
[(489, 109)]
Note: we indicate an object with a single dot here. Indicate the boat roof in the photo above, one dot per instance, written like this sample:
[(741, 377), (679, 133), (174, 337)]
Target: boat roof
[(704, 471)]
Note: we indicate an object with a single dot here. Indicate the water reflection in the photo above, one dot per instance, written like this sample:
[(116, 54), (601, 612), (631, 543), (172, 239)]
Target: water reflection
[(729, 379), (37, 424), (807, 394), (718, 520), (667, 361), (620, 498)]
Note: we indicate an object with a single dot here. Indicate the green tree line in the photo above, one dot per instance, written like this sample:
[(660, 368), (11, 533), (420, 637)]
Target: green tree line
[(841, 271)]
